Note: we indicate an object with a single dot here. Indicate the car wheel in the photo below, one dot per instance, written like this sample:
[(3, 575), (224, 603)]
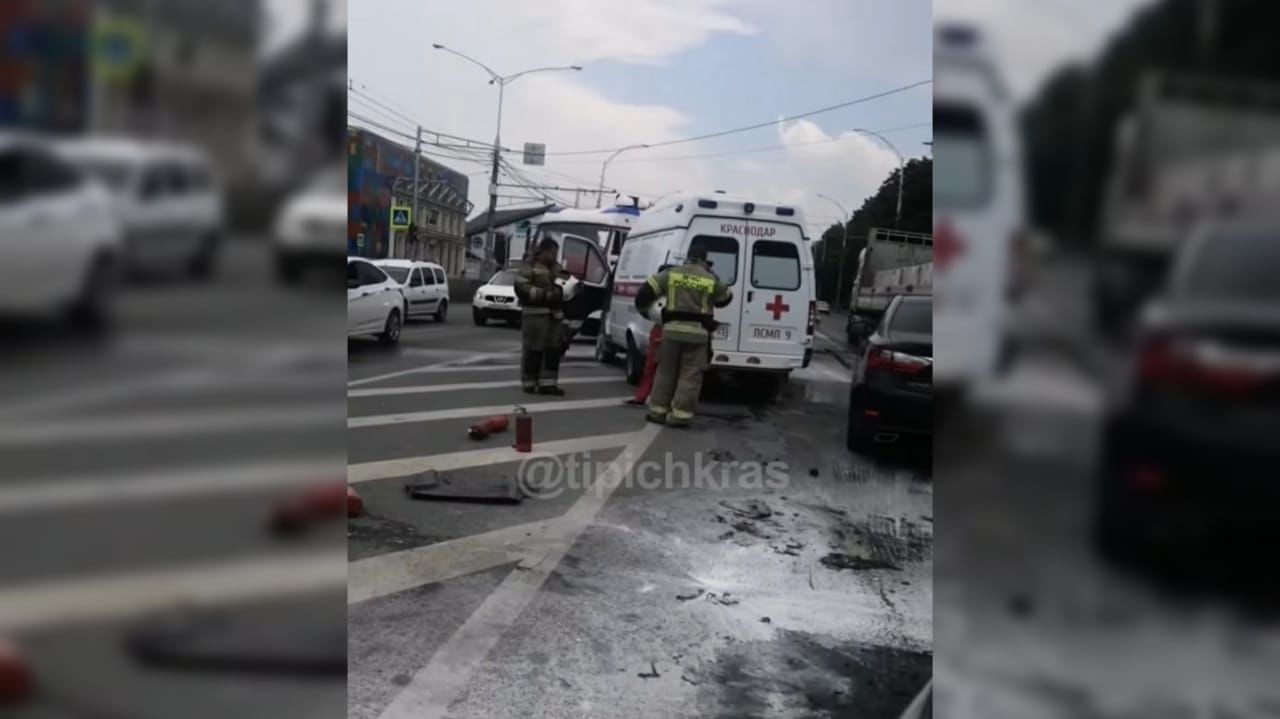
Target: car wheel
[(478, 317), (634, 362), (391, 333), (288, 270), (92, 310), (442, 312), (857, 434), (605, 352), (202, 265)]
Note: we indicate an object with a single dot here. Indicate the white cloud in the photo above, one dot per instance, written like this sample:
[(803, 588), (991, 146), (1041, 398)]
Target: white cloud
[(390, 52)]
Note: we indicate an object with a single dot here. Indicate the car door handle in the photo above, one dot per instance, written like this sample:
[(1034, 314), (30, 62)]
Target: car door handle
[(365, 294), (751, 295)]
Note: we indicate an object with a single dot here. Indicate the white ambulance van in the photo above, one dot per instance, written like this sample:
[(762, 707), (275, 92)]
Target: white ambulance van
[(757, 248)]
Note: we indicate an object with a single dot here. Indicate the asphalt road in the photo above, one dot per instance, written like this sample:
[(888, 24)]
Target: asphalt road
[(1029, 622), (570, 603), (139, 472)]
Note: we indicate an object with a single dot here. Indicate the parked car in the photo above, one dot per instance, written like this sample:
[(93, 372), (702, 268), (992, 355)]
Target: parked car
[(62, 236), (424, 286), (892, 392), (311, 228), (167, 199), (375, 304), (496, 299), (1189, 449)]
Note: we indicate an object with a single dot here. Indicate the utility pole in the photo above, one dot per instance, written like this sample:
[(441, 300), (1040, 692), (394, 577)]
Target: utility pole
[(844, 248), (416, 220)]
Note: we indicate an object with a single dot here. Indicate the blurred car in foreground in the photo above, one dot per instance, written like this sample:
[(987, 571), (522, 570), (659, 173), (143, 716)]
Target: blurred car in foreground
[(167, 199), (496, 299), (1190, 451), (62, 239), (375, 304), (311, 228), (424, 286), (892, 393)]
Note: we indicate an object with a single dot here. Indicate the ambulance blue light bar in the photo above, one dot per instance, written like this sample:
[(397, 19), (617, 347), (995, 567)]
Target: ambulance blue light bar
[(786, 212)]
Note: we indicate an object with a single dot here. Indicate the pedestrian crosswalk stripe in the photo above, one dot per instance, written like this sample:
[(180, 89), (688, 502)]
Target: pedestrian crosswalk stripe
[(57, 492), (452, 364), (121, 595), (387, 468), (160, 424), (463, 412), (426, 389)]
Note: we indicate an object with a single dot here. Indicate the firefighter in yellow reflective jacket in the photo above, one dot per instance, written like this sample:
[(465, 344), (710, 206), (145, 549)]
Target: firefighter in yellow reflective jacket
[(692, 292), (541, 320)]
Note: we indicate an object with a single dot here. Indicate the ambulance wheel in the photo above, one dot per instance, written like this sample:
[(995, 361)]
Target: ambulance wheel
[(606, 353), (635, 363)]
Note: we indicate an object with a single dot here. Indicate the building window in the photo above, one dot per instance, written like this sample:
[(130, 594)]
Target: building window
[(433, 217)]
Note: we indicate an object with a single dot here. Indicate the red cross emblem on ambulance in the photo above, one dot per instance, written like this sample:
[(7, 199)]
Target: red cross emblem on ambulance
[(777, 308)]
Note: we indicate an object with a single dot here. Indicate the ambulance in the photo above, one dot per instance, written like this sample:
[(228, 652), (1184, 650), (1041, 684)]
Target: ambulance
[(757, 248)]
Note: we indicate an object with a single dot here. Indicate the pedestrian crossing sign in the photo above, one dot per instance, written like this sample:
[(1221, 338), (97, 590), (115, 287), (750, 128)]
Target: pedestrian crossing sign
[(400, 216)]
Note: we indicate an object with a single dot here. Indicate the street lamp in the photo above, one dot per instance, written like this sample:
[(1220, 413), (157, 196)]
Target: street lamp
[(501, 81), (897, 215), (844, 246), (605, 166)]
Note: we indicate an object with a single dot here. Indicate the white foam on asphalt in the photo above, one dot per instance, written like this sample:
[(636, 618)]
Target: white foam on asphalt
[(459, 386), (437, 685), (19, 495), (122, 595), (463, 412), (387, 468)]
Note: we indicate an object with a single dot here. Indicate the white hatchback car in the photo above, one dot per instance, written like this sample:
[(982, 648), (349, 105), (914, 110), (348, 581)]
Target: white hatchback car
[(167, 198), (424, 285), (61, 236), (375, 304)]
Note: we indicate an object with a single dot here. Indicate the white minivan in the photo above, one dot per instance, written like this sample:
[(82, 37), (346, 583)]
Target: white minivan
[(757, 248), (977, 208), (424, 286), (167, 198)]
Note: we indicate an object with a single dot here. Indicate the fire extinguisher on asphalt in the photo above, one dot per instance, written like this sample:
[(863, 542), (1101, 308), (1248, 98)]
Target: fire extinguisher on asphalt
[(524, 430)]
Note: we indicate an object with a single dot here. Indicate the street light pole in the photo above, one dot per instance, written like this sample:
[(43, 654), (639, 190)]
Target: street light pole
[(501, 81), (605, 166), (902, 170), (844, 247)]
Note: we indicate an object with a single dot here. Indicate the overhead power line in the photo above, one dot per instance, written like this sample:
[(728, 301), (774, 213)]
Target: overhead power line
[(722, 133)]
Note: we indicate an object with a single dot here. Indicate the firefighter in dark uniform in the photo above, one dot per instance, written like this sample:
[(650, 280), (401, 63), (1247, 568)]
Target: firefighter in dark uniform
[(541, 320), (691, 291)]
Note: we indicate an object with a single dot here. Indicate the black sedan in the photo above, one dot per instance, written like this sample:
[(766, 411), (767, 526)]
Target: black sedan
[(892, 394)]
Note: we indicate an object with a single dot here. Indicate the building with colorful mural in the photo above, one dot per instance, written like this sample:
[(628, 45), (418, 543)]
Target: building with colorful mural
[(379, 177)]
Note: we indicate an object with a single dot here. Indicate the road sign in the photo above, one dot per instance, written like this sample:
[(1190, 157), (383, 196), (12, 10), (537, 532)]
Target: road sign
[(401, 216), (535, 153), (119, 47)]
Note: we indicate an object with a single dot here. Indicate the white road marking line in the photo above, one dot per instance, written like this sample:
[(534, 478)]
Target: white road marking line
[(439, 366), (462, 412), (393, 572), (436, 686), (100, 490), (429, 388), (156, 425), (94, 394), (116, 596), (448, 369), (383, 469)]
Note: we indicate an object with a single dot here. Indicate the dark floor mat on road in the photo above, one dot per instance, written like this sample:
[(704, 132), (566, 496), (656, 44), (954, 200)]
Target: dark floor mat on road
[(433, 486), (222, 641)]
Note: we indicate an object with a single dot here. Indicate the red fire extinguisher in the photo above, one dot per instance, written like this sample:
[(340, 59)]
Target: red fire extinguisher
[(524, 430), (492, 425)]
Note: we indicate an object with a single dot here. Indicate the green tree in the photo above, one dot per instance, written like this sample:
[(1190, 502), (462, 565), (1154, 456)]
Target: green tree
[(878, 210)]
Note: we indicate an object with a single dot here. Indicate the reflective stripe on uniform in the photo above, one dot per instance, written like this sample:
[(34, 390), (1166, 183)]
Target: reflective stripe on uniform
[(658, 410), (681, 414)]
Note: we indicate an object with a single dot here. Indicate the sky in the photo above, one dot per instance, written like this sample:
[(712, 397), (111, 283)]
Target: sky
[(654, 71), (1031, 38)]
